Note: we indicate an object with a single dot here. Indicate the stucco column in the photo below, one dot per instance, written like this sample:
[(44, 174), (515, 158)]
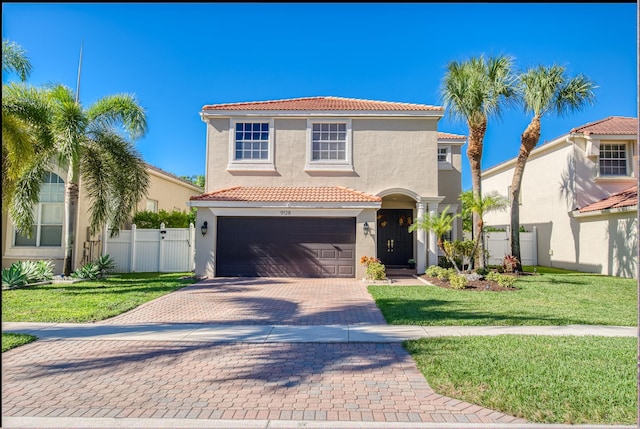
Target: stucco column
[(421, 241), (433, 240)]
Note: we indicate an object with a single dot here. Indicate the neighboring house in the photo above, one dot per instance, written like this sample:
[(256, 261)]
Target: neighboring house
[(580, 191), (166, 191), (306, 187)]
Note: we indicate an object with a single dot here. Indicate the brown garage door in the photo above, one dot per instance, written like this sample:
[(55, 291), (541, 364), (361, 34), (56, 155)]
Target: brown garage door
[(286, 247)]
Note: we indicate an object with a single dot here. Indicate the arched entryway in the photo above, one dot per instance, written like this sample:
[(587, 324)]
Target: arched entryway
[(396, 246)]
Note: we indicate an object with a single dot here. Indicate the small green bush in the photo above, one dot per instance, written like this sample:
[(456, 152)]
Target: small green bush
[(433, 270), (87, 271), (501, 279), (173, 219), (482, 271), (458, 281), (439, 272), (105, 264), (376, 271), (36, 271)]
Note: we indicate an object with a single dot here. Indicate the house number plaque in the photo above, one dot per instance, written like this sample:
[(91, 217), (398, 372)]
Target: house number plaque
[(285, 212)]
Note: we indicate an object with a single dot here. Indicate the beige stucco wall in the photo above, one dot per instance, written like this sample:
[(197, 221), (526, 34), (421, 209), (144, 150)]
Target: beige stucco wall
[(556, 182), (387, 153), (167, 191)]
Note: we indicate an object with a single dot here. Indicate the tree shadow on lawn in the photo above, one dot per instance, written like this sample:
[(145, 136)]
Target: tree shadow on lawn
[(426, 312)]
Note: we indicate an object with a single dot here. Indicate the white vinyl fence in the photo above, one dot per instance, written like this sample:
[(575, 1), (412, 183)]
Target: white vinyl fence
[(152, 250), (497, 243)]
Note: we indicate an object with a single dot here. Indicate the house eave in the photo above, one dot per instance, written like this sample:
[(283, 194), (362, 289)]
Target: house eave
[(576, 214), (284, 205), (382, 114)]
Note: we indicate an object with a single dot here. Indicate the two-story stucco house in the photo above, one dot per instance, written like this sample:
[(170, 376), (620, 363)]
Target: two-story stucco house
[(580, 191), (306, 187)]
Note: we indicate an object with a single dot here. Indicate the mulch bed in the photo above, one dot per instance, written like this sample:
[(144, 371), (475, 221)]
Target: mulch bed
[(477, 285)]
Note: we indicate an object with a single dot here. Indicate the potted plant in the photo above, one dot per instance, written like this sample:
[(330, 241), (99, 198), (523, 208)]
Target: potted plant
[(412, 263)]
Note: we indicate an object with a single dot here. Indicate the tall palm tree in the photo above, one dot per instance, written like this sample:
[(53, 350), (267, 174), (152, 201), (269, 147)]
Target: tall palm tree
[(14, 59), (475, 91), (88, 144), (437, 224), (485, 204), (543, 90)]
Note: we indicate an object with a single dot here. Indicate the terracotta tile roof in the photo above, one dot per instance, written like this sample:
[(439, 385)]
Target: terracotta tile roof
[(166, 173), (323, 103), (626, 198), (451, 136), (333, 194), (610, 125)]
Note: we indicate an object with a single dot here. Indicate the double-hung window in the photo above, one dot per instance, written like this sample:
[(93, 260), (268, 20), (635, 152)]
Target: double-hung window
[(613, 159), (329, 145), (444, 157), (48, 216), (251, 145)]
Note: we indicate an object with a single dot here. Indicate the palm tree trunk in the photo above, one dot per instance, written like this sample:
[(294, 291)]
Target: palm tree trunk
[(71, 215), (474, 154), (528, 141)]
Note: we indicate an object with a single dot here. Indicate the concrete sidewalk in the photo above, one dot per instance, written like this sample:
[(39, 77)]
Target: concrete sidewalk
[(365, 333)]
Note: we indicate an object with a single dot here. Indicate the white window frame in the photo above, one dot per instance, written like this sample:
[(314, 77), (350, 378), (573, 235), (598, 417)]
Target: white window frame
[(444, 165), (330, 164), (251, 164), (155, 206), (627, 158)]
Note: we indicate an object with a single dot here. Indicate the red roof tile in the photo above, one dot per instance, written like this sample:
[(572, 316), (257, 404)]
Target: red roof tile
[(451, 136), (610, 125), (333, 194), (323, 103), (626, 198)]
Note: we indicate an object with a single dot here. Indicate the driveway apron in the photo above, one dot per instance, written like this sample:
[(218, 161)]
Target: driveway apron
[(313, 382)]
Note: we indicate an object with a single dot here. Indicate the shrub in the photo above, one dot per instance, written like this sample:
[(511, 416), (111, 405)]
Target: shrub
[(501, 279), (433, 270), (87, 271), (376, 271), (173, 219), (44, 270), (36, 271), (105, 264), (482, 271), (439, 272), (13, 277), (510, 264), (458, 281)]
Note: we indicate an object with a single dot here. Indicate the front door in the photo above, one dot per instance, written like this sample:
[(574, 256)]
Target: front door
[(395, 243)]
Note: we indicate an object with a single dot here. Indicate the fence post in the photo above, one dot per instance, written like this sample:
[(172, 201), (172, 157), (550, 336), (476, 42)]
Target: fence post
[(192, 247), (133, 248), (534, 244), (161, 248)]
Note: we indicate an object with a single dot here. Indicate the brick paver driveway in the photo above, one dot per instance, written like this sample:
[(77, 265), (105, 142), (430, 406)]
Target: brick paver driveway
[(371, 382), (262, 301)]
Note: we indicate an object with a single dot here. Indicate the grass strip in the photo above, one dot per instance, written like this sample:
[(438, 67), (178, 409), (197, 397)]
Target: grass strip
[(88, 301), (11, 341), (570, 380)]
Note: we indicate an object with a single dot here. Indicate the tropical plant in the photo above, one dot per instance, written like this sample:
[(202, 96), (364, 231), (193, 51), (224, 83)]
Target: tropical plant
[(437, 224), (14, 59), (457, 281), (196, 179), (511, 264), (105, 264), (13, 277), (474, 91), (501, 279), (460, 250), (87, 142), (88, 271), (480, 206), (374, 268), (174, 219), (543, 90)]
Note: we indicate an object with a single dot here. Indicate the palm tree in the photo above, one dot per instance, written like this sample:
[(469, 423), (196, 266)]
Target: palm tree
[(14, 59), (543, 90), (87, 143), (474, 91), (488, 203), (439, 225)]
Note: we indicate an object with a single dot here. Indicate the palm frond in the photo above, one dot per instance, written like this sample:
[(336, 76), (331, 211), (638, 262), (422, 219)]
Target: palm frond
[(14, 59), (25, 196), (121, 110)]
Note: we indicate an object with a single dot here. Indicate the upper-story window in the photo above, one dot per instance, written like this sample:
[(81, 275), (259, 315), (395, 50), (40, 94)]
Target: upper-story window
[(252, 140), (152, 206), (444, 157), (48, 215), (329, 145), (613, 159), (251, 145)]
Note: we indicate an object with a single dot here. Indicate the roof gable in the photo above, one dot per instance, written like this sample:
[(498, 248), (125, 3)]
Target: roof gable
[(612, 125)]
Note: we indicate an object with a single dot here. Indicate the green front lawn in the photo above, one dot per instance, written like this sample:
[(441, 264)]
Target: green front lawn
[(558, 298), (572, 380), (87, 301)]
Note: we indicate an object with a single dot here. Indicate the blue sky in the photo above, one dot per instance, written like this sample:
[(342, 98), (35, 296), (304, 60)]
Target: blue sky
[(178, 57)]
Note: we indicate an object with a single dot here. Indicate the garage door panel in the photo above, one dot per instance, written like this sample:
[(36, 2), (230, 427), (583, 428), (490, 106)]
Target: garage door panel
[(290, 247)]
